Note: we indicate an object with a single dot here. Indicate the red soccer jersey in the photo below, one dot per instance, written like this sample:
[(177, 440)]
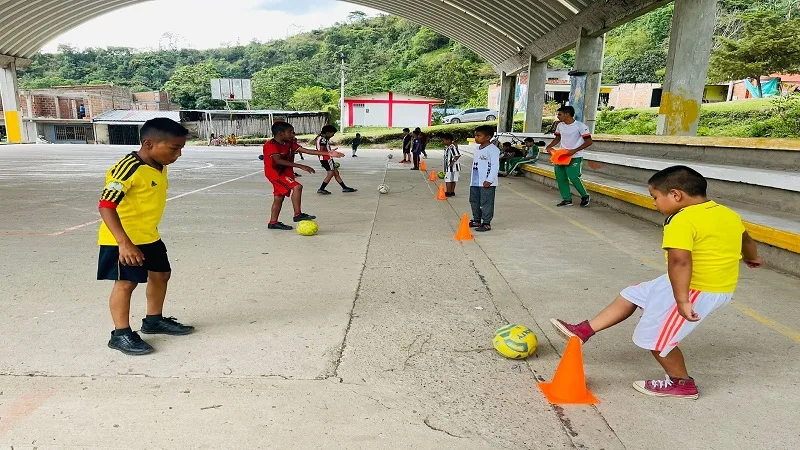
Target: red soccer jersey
[(285, 151)]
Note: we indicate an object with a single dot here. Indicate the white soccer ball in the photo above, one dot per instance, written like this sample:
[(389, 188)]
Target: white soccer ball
[(390, 156), (383, 189)]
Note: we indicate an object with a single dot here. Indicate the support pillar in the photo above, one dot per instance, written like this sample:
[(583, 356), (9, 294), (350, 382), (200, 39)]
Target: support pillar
[(12, 110), (690, 42), (589, 60), (534, 105), (508, 88)]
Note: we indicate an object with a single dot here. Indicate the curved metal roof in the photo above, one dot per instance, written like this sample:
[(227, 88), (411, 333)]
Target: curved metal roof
[(503, 32)]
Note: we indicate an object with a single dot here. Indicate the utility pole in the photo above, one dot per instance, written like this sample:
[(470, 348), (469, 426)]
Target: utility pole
[(341, 95)]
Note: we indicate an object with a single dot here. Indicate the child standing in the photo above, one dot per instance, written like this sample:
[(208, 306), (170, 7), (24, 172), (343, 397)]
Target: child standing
[(278, 167), (131, 249), (408, 141), (355, 143), (704, 242), (451, 165), (573, 136), (416, 149), (323, 144), (423, 141), (485, 165)]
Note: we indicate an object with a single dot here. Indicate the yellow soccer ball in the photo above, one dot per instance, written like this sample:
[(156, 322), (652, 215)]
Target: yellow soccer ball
[(515, 341), (307, 228)]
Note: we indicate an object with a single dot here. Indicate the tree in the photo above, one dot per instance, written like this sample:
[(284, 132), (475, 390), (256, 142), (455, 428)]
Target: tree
[(313, 98), (448, 78), (769, 44), (190, 86), (273, 88), (644, 68)]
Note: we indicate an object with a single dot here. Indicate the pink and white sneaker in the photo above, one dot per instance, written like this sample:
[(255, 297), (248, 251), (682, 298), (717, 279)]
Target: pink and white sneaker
[(668, 387), (582, 331)]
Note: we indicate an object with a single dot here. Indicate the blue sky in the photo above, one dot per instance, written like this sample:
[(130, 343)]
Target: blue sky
[(202, 24)]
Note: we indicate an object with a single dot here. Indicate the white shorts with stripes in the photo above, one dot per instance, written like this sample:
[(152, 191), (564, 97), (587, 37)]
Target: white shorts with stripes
[(661, 328), (451, 177)]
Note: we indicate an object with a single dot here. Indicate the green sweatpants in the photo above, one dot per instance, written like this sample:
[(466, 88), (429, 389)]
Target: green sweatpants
[(567, 174)]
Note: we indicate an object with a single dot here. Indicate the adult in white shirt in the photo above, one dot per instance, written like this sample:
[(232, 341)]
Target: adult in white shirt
[(574, 137), (485, 165)]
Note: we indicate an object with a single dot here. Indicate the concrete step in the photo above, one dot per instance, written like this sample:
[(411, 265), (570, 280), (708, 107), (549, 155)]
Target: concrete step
[(777, 232), (775, 189)]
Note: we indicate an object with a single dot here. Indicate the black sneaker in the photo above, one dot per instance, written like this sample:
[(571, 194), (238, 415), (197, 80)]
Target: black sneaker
[(130, 344), (449, 194), (585, 201), (323, 192), (415, 168), (474, 224), (303, 216), (165, 325), (349, 189), (278, 226), (484, 227), (565, 203)]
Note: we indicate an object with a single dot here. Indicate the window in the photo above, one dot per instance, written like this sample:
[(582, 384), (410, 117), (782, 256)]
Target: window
[(73, 133), (469, 111)]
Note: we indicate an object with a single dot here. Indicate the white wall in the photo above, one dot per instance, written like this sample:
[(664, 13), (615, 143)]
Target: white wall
[(375, 115), (410, 115)]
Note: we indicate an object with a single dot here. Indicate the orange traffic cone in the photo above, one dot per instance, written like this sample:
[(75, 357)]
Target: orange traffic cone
[(423, 166), (569, 382), (433, 176), (440, 195), (463, 233)]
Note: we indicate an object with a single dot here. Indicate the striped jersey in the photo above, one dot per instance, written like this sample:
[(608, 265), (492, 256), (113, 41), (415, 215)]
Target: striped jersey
[(323, 144), (138, 192), (450, 155)]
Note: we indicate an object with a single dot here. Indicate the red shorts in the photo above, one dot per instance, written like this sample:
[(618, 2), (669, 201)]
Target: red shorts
[(283, 185)]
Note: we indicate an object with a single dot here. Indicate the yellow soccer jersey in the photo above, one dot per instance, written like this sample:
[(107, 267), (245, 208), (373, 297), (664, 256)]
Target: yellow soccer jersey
[(139, 194), (713, 233)]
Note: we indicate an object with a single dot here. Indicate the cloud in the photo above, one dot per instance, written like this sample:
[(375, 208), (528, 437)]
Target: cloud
[(297, 7), (203, 24)]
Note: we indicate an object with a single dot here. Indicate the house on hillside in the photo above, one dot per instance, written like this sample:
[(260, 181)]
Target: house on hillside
[(388, 109), (64, 114), (556, 90)]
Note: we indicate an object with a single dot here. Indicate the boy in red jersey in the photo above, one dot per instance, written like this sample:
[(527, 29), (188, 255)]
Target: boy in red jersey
[(278, 167)]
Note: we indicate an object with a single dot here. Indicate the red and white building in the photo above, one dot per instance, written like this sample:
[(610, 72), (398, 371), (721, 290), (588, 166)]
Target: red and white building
[(388, 109)]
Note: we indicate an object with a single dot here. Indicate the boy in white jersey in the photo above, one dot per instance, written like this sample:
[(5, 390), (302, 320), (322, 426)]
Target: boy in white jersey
[(485, 165), (323, 143), (451, 166), (574, 137)]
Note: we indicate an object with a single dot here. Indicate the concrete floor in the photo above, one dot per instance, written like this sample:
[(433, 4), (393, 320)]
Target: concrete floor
[(376, 333)]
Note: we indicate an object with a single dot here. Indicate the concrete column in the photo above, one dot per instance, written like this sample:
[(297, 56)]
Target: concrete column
[(690, 44), (12, 110), (508, 88), (537, 81), (58, 106), (589, 59)]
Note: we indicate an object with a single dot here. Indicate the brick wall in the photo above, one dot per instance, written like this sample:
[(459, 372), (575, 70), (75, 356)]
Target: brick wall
[(632, 95)]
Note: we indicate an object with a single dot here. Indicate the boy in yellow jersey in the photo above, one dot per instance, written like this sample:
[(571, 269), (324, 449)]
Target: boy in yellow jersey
[(131, 250), (704, 242)]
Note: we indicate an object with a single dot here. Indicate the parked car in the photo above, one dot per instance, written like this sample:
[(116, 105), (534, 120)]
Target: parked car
[(472, 115)]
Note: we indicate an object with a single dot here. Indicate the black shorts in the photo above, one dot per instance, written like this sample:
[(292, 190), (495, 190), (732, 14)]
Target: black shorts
[(406, 150), (328, 165), (155, 260)]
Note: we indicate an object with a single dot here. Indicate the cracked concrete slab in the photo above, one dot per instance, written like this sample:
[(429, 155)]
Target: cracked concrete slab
[(374, 334)]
